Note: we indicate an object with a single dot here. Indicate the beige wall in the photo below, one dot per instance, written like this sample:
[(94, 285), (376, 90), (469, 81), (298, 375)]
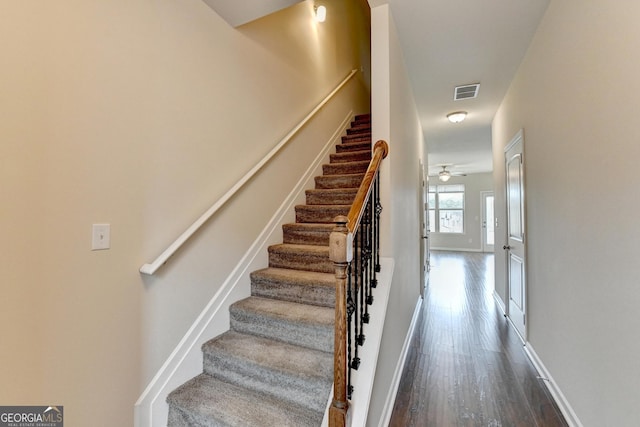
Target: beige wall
[(396, 121), (141, 114), (574, 98), (471, 239)]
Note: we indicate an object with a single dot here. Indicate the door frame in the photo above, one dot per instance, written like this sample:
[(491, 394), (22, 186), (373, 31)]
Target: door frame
[(518, 138), (424, 229), (483, 211)]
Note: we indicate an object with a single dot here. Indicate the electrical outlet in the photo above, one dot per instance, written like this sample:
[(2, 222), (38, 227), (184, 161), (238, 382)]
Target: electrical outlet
[(101, 237)]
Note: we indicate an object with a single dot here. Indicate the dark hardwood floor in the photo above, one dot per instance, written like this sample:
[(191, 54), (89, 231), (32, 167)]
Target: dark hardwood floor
[(466, 365)]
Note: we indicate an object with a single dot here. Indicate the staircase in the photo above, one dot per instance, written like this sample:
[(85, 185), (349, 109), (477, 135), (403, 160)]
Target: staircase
[(274, 367)]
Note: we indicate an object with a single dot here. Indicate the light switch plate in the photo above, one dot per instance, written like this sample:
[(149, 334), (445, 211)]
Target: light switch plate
[(101, 237)]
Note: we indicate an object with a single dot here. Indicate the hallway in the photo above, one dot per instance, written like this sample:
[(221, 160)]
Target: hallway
[(466, 365)]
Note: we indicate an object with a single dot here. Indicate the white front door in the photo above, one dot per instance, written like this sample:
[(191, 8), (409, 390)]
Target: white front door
[(515, 247), (488, 221)]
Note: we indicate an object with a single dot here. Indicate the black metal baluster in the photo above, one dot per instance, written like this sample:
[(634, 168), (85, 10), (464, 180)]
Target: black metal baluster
[(359, 255), (376, 189), (355, 363), (350, 310), (367, 222)]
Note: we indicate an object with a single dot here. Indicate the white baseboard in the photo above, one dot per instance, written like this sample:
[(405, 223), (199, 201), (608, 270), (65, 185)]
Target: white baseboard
[(562, 402), (185, 361), (500, 303), (397, 375), (449, 249)]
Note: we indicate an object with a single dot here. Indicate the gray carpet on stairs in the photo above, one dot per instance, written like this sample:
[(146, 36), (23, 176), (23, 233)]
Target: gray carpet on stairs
[(275, 366)]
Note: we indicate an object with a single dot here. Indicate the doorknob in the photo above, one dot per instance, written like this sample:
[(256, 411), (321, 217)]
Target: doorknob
[(506, 247)]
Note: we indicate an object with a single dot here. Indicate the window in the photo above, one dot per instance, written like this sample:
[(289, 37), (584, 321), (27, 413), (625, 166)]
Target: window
[(446, 208)]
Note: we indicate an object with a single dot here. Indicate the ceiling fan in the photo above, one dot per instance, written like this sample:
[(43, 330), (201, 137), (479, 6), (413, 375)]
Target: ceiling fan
[(444, 174)]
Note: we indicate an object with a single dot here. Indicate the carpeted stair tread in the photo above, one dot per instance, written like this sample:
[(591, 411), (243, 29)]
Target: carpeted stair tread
[(307, 234), (307, 287), (358, 138), (205, 401), (331, 196), (353, 146), (359, 130), (299, 324), (320, 213), (359, 166), (350, 156), (301, 257), (339, 181), (289, 372)]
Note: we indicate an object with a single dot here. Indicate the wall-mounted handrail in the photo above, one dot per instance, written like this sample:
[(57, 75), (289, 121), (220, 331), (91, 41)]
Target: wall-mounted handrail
[(354, 249), (152, 267)]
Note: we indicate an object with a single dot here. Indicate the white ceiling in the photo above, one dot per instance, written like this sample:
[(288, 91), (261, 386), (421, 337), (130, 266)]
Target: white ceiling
[(240, 12), (447, 43)]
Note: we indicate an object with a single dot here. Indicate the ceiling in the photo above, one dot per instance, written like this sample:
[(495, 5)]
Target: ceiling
[(447, 43), (240, 12)]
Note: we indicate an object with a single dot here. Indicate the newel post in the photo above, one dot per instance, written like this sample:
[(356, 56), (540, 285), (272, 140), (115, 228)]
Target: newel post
[(339, 253)]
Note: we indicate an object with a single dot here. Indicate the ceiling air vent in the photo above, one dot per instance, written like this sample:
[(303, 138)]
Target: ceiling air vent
[(466, 91)]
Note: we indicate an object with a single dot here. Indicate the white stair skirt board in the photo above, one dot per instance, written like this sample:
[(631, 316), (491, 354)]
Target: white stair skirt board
[(393, 391), (362, 379), (185, 362), (562, 402)]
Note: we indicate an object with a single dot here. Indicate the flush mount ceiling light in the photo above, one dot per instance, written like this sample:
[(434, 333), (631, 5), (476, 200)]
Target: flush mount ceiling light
[(457, 116), (321, 13)]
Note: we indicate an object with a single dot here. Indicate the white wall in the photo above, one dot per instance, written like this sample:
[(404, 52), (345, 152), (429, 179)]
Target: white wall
[(574, 98), (396, 121), (141, 114), (471, 239)]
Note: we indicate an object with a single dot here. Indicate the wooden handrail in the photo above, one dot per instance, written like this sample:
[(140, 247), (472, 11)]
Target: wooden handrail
[(151, 268), (380, 151), (341, 253)]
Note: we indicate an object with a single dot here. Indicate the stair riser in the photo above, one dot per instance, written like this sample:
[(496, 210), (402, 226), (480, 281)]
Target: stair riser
[(338, 181), (361, 122), (297, 236), (319, 197), (310, 336), (264, 380), (345, 168), (350, 156), (359, 130), (319, 214), (304, 294), (179, 418), (301, 261)]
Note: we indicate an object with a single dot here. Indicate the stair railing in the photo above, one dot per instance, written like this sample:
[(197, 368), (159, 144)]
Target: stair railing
[(152, 267), (355, 252)]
